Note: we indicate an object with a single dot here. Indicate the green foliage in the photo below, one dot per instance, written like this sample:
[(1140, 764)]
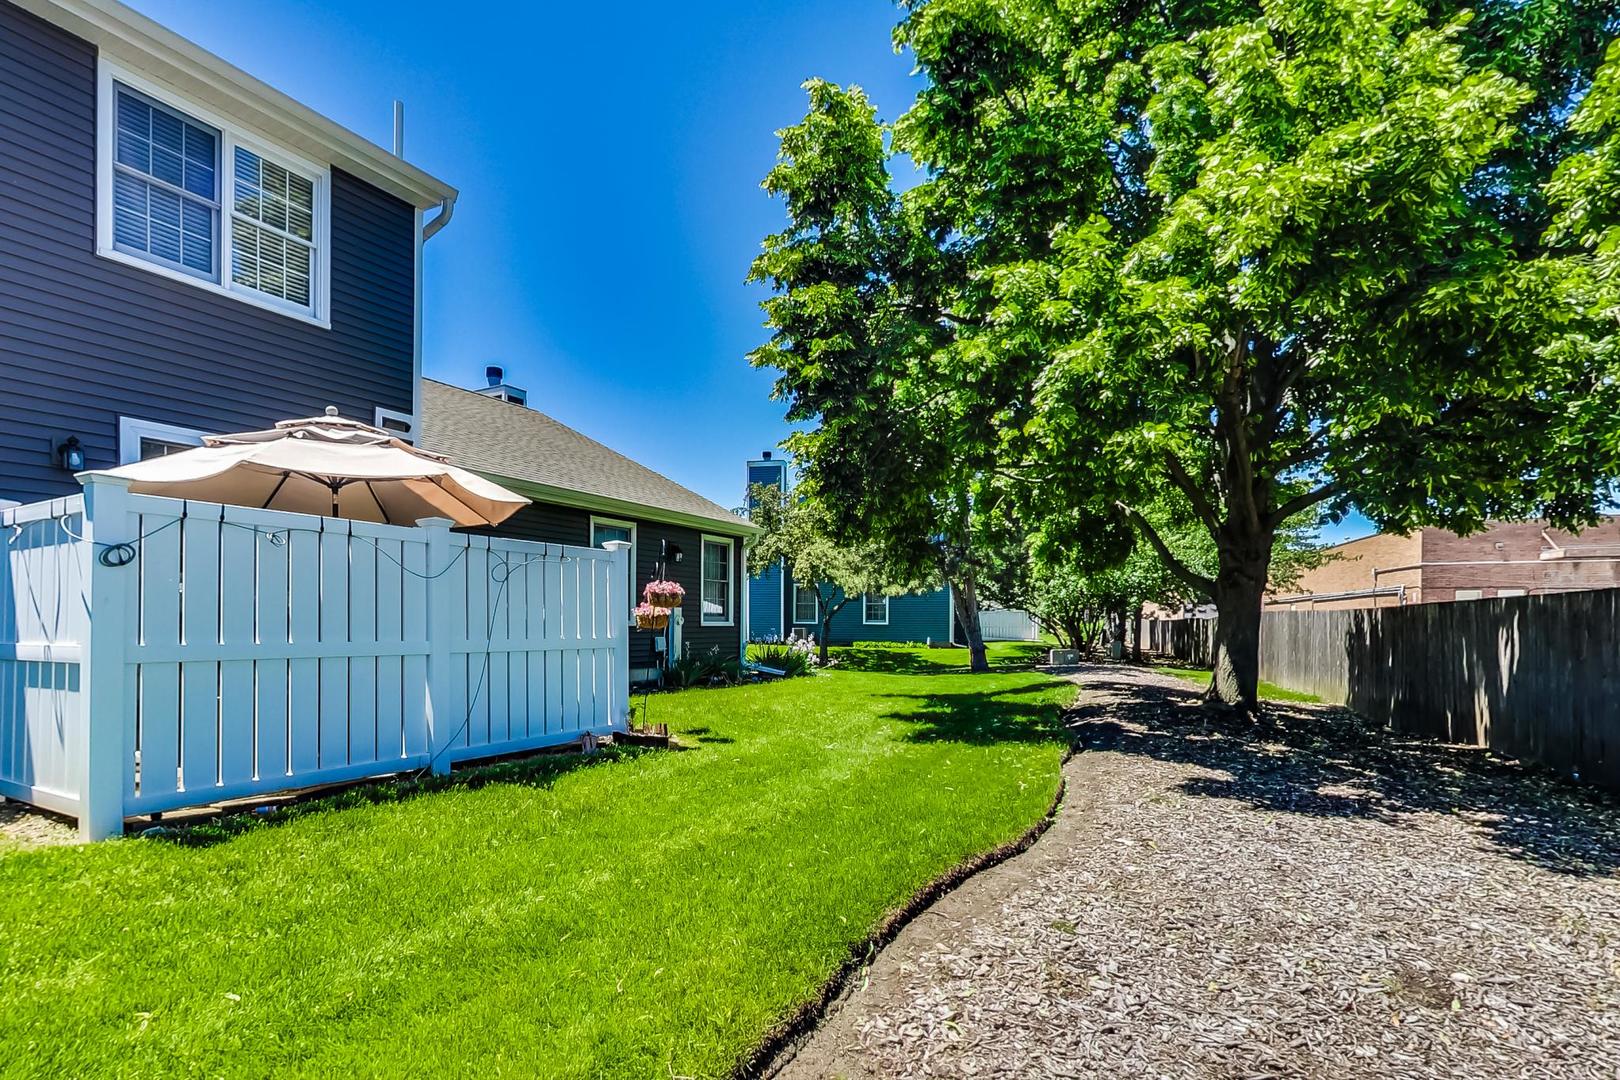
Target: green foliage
[(655, 916), (711, 667), (1266, 256), (784, 656)]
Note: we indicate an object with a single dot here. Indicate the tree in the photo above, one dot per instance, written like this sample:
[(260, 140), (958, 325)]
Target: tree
[(796, 530), (856, 278), (1273, 256)]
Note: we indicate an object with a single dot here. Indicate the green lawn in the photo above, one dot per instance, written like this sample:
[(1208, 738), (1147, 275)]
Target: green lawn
[(1268, 691), (643, 917)]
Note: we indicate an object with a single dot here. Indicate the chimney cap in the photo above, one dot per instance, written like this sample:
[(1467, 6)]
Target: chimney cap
[(495, 374), (766, 456)]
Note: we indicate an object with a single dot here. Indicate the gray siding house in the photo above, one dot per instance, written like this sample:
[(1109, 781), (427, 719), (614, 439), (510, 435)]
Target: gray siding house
[(185, 250)]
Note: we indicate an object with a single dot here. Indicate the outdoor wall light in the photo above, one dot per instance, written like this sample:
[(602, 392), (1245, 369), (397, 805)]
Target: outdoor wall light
[(668, 551), (69, 454)]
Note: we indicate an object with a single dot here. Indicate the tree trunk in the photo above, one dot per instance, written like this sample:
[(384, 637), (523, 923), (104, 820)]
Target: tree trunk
[(965, 596), (1239, 591), (828, 610), (1136, 634)]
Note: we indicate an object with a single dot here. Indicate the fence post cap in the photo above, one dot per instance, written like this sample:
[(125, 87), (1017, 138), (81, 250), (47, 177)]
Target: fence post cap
[(103, 479), (616, 545), (434, 523)]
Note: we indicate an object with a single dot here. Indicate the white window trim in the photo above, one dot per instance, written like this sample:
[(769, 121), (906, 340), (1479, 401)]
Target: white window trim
[(231, 135), (132, 429), (731, 580), (813, 620), (619, 523), (875, 622)]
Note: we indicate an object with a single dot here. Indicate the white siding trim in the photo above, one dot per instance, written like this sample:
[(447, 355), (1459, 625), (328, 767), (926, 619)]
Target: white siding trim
[(231, 135)]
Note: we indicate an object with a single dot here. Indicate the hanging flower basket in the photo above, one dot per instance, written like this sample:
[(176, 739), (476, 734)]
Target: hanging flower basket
[(664, 594), (651, 618)]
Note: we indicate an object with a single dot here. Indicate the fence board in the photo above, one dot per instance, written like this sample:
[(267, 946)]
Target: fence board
[(1534, 677)]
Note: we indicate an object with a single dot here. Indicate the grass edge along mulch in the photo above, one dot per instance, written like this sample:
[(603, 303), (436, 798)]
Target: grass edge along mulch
[(776, 1048)]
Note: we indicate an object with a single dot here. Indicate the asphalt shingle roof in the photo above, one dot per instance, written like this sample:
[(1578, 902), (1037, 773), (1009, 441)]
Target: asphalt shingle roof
[(492, 436)]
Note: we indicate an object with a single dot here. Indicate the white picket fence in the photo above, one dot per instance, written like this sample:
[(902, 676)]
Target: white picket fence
[(156, 654)]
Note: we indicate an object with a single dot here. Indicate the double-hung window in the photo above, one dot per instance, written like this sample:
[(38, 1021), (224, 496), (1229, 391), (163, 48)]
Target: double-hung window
[(875, 610), (184, 194), (716, 581), (806, 603)]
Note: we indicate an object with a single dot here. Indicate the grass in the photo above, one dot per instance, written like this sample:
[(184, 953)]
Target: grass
[(1268, 691), (652, 915)]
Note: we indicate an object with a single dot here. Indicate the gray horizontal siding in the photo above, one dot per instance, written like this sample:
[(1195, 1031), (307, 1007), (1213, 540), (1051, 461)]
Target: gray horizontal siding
[(84, 340)]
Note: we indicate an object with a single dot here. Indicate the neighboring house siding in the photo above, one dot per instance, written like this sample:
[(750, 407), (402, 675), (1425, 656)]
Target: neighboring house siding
[(85, 340), (765, 603), (916, 617), (552, 524)]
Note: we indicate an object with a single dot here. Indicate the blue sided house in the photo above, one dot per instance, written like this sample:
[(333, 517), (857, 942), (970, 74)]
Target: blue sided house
[(780, 607)]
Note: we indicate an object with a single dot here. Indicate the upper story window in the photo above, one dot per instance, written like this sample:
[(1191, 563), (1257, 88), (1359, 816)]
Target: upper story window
[(183, 194)]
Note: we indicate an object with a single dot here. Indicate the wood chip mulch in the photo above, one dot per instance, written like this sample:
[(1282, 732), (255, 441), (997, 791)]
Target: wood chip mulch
[(1303, 897)]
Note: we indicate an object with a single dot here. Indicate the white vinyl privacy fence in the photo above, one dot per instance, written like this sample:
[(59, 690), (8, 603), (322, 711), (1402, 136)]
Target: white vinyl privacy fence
[(156, 654)]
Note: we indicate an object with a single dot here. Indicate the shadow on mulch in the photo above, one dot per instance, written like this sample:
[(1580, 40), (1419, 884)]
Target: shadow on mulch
[(1333, 763)]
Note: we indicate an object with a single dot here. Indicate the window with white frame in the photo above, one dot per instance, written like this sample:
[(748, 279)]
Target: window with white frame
[(806, 603), (606, 529), (875, 610), (716, 581), (184, 194), (141, 439)]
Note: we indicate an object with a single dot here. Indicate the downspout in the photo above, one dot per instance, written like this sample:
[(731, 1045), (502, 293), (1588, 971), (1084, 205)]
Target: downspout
[(742, 623), (447, 210)]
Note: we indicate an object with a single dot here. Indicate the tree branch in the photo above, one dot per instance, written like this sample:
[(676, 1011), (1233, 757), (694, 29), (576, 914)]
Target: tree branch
[(1304, 502), (1195, 495), (1176, 566)]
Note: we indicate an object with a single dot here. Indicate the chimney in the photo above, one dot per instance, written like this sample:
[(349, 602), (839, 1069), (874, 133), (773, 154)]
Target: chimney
[(766, 456), (495, 376)]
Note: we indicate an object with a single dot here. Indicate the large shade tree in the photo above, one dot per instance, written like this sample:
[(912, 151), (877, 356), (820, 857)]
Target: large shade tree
[(1272, 256)]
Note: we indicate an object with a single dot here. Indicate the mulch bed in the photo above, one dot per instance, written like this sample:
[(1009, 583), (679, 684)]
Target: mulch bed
[(1309, 896)]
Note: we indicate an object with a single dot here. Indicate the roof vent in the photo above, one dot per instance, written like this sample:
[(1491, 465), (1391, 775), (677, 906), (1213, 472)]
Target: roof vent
[(495, 374), (765, 456)]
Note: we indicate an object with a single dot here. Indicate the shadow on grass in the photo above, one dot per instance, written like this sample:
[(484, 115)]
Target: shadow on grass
[(1329, 762), (981, 717), (536, 771), (909, 660)]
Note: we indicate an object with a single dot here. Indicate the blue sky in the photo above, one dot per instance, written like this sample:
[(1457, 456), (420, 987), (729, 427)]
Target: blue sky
[(609, 161)]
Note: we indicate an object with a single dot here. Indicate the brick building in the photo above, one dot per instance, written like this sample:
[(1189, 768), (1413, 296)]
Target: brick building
[(1434, 566)]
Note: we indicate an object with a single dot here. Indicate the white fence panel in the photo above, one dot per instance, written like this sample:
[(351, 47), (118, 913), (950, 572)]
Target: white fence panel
[(44, 625), (1000, 624), (239, 651)]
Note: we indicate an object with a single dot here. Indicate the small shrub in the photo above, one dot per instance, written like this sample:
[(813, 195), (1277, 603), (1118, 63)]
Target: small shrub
[(708, 668), (792, 658)]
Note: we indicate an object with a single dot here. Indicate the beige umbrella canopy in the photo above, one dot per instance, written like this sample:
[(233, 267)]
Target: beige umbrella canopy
[(329, 466)]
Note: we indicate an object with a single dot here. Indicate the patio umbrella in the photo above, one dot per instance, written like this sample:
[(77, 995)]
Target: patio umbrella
[(325, 465)]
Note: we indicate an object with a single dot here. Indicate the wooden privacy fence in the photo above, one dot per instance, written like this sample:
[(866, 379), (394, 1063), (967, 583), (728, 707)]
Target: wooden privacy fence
[(1534, 677), (156, 654)]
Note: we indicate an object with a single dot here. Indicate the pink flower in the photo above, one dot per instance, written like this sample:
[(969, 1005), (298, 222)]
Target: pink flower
[(663, 589)]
